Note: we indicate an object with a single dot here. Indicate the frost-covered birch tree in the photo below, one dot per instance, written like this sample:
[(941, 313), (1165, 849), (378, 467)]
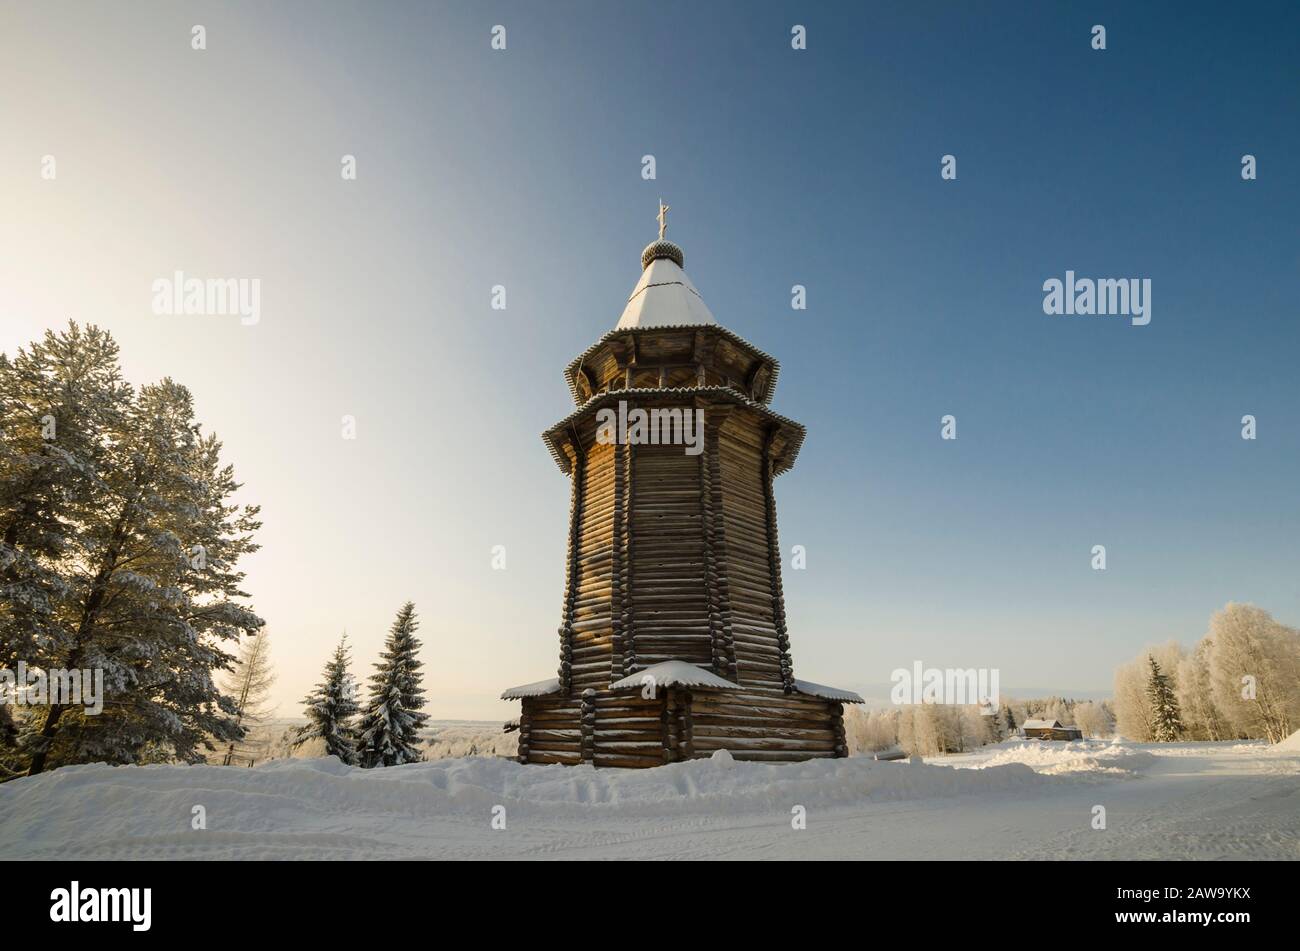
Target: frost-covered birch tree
[(1201, 717), (1254, 672), (1093, 719)]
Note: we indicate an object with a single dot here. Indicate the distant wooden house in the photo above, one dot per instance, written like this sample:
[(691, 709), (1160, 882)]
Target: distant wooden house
[(673, 641), (1050, 730)]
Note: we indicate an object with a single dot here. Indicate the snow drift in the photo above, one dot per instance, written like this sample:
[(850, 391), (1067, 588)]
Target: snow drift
[(295, 805), (1087, 759), (1015, 799)]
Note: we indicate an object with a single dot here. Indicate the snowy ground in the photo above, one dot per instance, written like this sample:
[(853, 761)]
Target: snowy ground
[(1015, 800)]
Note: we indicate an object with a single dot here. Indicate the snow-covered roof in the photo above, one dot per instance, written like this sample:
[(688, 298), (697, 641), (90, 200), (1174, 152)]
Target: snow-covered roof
[(675, 673), (827, 693), (1041, 725), (539, 689), (664, 297)]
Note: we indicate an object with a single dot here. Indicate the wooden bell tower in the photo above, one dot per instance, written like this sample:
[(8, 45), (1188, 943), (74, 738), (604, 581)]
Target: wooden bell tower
[(673, 636)]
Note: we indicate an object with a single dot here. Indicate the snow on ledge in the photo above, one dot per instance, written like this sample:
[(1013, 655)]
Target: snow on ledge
[(675, 673), (827, 693), (539, 689)]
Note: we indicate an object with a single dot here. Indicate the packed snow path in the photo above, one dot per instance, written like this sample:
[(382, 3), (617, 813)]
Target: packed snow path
[(1194, 800)]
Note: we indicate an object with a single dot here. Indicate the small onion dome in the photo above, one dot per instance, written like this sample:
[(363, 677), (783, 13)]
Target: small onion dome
[(662, 249)]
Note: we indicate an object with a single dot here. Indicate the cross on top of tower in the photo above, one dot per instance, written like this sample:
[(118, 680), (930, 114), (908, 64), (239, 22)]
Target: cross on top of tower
[(663, 218)]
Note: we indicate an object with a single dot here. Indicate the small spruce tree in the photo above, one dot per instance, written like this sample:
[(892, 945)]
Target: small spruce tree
[(391, 723), (1166, 721), (331, 707)]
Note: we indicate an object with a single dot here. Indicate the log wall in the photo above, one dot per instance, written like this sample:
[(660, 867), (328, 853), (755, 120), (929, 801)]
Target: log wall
[(592, 621), (749, 564), (550, 730), (675, 557), (670, 611), (762, 724), (623, 728)]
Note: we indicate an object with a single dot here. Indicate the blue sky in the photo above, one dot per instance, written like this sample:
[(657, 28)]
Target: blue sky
[(816, 167)]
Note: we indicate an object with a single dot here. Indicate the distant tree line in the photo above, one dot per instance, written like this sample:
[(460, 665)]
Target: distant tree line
[(929, 729)]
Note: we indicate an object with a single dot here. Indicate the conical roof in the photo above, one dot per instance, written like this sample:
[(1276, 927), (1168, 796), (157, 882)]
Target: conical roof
[(665, 296)]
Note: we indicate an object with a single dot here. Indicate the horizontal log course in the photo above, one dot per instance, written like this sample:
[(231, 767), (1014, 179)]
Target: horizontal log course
[(554, 748), (649, 745), (599, 558), (662, 547), (540, 735), (669, 645), (597, 524), (593, 623), (629, 714), (555, 705), (548, 758), (754, 597), (753, 608), (746, 542), (751, 644), (626, 761), (593, 587), (615, 717), (556, 723), (655, 623), (680, 556), (754, 671), (764, 738), (564, 708), (668, 575), (629, 702), (607, 739), (661, 598), (711, 721), (737, 744), (768, 706)]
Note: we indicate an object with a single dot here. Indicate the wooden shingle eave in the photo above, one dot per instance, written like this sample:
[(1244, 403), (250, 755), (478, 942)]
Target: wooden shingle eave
[(571, 371), (796, 431)]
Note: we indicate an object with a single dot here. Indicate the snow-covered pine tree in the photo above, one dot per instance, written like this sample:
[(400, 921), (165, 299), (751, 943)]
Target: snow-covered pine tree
[(331, 707), (140, 549), (390, 726), (248, 684), (1166, 723), (61, 398)]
